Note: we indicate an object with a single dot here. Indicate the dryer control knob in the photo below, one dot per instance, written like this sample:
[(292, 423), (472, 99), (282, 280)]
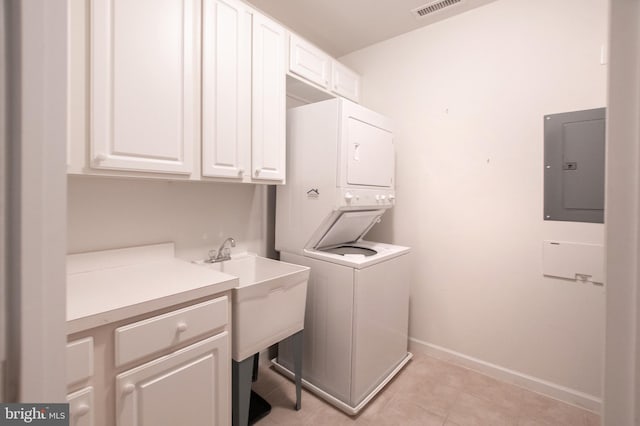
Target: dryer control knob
[(391, 197), (383, 197), (377, 197), (348, 196)]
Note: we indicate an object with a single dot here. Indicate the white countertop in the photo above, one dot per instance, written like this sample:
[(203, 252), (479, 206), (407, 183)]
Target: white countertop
[(111, 285)]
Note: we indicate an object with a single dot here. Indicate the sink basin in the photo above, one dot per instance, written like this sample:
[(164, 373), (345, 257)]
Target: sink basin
[(268, 304)]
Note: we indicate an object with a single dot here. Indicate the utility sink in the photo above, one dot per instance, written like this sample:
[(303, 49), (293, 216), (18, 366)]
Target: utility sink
[(268, 304)]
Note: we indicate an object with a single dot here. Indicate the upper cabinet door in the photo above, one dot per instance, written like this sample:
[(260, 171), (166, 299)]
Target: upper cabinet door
[(226, 88), (308, 61), (345, 82), (268, 104), (144, 74)]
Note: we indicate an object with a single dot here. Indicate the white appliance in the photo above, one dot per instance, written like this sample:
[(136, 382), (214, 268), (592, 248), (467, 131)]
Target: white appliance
[(340, 182)]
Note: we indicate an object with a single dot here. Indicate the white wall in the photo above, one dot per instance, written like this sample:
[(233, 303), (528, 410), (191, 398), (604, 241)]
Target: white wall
[(106, 213), (468, 96), (622, 376)]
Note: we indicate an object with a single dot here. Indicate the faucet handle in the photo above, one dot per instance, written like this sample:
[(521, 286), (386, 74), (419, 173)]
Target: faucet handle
[(212, 254)]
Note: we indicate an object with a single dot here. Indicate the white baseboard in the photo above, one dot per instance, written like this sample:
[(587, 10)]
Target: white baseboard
[(553, 390)]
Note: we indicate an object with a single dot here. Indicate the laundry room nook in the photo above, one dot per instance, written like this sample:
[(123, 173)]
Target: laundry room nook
[(238, 212)]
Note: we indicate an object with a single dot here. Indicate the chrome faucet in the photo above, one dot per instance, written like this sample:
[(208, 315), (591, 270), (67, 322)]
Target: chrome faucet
[(223, 253)]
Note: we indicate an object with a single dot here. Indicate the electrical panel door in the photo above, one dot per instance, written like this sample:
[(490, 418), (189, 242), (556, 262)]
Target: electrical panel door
[(574, 150)]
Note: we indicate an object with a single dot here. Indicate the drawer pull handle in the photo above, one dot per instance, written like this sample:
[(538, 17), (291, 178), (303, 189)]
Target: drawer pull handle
[(128, 388), (82, 410), (182, 327)]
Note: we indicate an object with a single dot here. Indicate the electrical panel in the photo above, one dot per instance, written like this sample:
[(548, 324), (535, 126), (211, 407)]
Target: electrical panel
[(574, 159)]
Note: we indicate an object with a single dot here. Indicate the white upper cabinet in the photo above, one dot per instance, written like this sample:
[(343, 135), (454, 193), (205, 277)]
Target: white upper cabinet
[(345, 82), (177, 89), (268, 147), (308, 61), (226, 88), (144, 70), (243, 94)]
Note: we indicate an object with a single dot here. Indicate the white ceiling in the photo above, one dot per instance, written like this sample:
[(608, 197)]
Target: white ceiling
[(343, 26)]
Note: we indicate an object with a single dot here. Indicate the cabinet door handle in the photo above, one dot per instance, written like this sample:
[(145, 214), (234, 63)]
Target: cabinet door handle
[(181, 327), (82, 410), (101, 156), (257, 172), (128, 388)]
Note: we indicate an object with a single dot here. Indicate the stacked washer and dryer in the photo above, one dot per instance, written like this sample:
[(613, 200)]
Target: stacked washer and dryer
[(340, 181)]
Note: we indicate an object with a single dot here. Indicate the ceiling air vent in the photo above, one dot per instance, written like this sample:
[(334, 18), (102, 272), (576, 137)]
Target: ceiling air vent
[(433, 7)]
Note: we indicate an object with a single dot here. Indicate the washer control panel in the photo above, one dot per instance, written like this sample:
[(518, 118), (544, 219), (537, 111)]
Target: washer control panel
[(361, 198)]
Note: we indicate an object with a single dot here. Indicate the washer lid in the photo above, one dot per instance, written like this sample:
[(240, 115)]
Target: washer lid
[(348, 227), (351, 250)]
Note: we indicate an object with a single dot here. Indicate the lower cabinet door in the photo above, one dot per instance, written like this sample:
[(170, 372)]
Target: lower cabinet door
[(81, 407), (188, 387)]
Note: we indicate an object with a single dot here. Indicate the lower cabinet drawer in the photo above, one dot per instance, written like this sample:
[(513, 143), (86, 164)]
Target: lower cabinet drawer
[(79, 360), (162, 332)]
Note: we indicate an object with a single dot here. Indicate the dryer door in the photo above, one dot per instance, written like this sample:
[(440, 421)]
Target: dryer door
[(370, 154)]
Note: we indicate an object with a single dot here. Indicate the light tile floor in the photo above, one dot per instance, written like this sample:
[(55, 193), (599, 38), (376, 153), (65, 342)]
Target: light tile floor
[(426, 392)]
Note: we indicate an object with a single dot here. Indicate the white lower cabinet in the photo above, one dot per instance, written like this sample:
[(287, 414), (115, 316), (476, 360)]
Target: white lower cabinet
[(79, 361), (79, 377), (187, 387), (81, 407), (167, 367)]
